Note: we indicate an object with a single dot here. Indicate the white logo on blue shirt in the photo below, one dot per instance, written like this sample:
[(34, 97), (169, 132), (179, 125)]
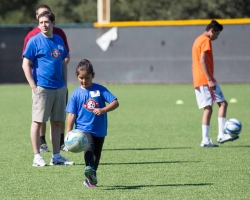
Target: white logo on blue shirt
[(95, 93), (60, 47)]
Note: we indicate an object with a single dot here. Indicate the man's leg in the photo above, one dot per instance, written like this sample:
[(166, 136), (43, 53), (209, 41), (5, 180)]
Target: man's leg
[(62, 145), (34, 135), (57, 117), (55, 136), (57, 159), (35, 140), (62, 129), (42, 131)]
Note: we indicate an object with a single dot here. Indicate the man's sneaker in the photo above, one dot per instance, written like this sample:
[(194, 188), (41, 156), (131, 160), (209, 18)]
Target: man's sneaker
[(88, 184), (44, 148), (63, 148), (90, 174), (39, 162), (227, 138), (208, 144), (61, 161)]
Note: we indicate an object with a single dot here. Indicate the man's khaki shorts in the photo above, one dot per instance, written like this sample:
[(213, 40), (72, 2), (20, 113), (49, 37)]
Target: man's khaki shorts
[(48, 103)]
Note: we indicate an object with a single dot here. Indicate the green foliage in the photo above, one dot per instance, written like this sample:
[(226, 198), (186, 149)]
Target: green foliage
[(151, 151), (85, 11), (180, 9), (17, 11)]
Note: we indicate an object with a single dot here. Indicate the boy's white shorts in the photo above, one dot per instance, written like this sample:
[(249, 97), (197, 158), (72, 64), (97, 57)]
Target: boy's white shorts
[(206, 97)]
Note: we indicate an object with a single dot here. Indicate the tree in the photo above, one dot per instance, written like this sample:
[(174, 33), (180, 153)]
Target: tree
[(85, 11), (17, 11)]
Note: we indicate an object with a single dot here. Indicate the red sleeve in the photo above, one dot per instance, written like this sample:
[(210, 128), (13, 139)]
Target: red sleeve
[(61, 33), (26, 39), (32, 33)]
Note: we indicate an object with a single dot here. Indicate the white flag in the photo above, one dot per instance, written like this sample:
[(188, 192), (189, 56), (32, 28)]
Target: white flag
[(106, 38)]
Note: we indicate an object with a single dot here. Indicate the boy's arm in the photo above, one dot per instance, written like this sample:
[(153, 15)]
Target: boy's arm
[(70, 122), (210, 83)]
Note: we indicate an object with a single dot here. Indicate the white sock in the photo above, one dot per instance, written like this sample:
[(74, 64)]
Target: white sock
[(221, 124), (56, 155), (205, 133), (37, 155)]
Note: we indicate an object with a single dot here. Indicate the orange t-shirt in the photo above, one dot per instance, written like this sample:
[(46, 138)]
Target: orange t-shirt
[(202, 44)]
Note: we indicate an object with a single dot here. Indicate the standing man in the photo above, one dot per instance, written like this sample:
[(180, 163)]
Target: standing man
[(58, 31), (45, 69), (206, 87)]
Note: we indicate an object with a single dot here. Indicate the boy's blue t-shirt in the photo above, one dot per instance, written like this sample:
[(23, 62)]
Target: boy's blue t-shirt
[(83, 101), (46, 55)]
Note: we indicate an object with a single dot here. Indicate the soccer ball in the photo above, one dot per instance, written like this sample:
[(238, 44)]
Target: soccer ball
[(233, 127), (75, 141)]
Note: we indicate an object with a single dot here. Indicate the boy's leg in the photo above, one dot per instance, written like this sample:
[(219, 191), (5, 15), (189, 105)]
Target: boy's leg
[(221, 118), (223, 137), (205, 101), (222, 103), (206, 123)]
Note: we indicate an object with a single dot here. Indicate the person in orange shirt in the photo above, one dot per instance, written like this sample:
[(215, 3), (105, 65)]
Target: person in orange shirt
[(207, 90)]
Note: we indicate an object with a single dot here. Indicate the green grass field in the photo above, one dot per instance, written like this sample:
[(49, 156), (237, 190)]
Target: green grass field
[(151, 151)]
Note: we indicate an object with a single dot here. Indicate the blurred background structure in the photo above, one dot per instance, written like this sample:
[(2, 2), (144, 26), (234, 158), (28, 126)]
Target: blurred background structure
[(151, 43)]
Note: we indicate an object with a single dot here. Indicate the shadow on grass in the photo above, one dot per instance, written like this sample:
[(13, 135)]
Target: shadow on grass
[(146, 163), (238, 146), (142, 149), (134, 187), (142, 163)]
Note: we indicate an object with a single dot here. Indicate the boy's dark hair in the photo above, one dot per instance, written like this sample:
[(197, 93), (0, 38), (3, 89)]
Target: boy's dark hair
[(50, 15), (215, 25), (85, 65), (43, 6)]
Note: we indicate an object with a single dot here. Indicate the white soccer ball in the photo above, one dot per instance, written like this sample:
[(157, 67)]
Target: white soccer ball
[(75, 141), (233, 127)]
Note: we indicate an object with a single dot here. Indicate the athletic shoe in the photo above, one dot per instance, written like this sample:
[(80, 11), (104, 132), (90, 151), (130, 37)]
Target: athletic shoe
[(90, 174), (44, 148), (61, 161), (39, 162), (88, 184), (63, 148), (227, 138), (208, 144)]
